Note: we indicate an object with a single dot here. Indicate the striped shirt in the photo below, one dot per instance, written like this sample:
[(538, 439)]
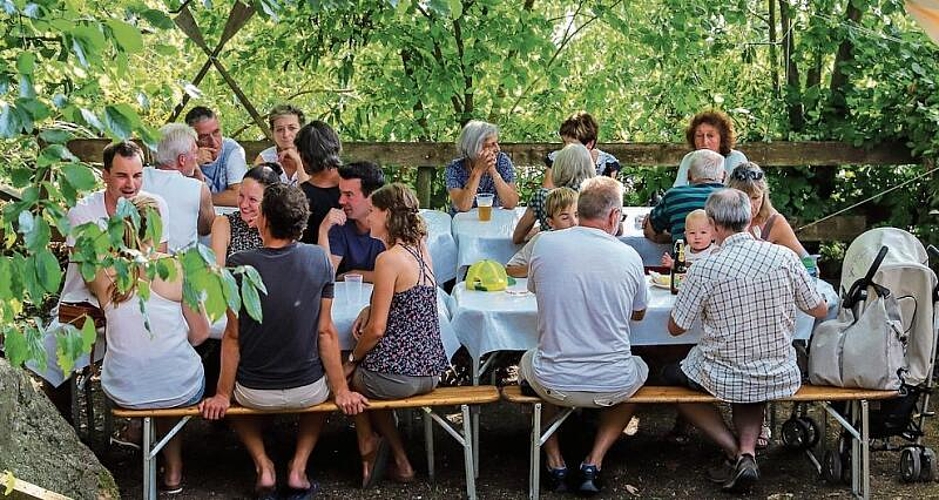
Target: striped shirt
[(669, 215)]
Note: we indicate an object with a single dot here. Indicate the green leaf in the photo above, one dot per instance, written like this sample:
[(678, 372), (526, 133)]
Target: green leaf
[(89, 116), (48, 272), (27, 91), (38, 238), (154, 226), (72, 343), (230, 288), (79, 176), (25, 63), (55, 136), (120, 120), (127, 36), (158, 19), (255, 278), (9, 122), (252, 302)]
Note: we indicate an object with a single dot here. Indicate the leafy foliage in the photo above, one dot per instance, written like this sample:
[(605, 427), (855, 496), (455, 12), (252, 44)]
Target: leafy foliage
[(407, 70)]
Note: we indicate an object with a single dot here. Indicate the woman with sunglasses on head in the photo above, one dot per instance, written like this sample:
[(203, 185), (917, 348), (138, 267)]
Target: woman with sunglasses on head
[(767, 224), (711, 130)]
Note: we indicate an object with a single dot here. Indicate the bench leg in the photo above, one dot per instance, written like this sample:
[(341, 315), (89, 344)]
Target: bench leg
[(865, 450), (468, 456), (149, 461), (534, 468), (429, 443)]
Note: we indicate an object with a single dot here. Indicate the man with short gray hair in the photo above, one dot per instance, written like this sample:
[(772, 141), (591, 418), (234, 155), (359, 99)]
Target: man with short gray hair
[(177, 179), (588, 286), (746, 297), (666, 223)]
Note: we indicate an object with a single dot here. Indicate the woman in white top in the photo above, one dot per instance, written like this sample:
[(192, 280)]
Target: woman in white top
[(156, 366), (710, 130), (285, 121)]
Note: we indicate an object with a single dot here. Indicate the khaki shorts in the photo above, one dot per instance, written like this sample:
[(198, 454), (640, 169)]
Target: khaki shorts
[(283, 399), (375, 385), (578, 399)]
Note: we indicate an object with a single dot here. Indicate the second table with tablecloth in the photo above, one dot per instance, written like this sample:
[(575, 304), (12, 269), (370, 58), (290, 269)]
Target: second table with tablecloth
[(486, 322)]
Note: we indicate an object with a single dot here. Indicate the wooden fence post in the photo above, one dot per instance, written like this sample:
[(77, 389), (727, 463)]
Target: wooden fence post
[(425, 183)]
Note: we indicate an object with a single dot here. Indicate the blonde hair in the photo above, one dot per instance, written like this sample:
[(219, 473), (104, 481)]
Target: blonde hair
[(696, 215), (559, 199), (134, 239), (750, 178)]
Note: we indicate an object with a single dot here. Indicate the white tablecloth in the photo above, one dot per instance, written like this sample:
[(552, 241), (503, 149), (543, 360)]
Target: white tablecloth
[(492, 239), (346, 309), (486, 322), (477, 240), (650, 251), (442, 246)]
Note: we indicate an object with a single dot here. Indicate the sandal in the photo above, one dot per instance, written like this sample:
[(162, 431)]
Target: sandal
[(302, 493), (375, 463), (763, 441)]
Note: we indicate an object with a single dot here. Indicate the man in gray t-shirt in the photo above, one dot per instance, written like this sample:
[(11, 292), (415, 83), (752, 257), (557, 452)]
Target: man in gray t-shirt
[(588, 285)]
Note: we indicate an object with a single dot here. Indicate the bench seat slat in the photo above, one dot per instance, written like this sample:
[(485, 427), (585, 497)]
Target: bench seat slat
[(666, 394), (443, 396)]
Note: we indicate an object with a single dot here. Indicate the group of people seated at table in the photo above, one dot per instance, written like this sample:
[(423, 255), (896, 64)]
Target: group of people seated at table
[(304, 220)]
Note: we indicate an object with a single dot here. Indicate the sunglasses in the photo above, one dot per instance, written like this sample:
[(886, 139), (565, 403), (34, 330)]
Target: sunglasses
[(746, 174)]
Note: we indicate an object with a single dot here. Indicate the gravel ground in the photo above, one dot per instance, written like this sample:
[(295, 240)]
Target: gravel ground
[(642, 466)]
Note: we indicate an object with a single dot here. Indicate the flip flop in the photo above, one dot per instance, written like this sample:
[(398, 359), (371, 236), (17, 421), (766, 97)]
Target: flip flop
[(168, 489), (266, 493), (762, 442), (377, 460), (302, 493)]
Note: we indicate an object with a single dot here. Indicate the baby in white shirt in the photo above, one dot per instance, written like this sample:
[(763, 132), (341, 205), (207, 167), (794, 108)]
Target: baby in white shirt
[(699, 236)]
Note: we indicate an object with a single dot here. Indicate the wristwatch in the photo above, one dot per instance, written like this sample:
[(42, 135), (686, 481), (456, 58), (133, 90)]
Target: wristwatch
[(351, 358)]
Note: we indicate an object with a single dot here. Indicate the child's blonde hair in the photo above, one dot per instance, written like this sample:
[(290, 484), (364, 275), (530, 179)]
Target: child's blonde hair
[(559, 199), (696, 215)]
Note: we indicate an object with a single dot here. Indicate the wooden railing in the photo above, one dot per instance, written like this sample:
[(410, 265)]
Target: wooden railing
[(428, 157)]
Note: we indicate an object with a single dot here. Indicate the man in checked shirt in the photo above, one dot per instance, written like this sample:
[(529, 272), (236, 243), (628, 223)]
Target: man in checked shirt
[(746, 297)]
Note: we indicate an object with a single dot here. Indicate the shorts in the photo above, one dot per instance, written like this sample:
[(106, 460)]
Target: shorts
[(578, 399), (294, 398), (673, 375), (376, 385)]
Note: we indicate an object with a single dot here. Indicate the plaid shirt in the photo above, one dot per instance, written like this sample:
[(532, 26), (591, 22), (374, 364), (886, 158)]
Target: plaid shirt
[(746, 296)]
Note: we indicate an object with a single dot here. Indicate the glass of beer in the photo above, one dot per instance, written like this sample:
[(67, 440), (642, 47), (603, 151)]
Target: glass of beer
[(484, 202)]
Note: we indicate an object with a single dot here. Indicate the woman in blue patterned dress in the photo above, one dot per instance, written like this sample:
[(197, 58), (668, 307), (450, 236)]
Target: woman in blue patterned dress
[(399, 352), (481, 168)]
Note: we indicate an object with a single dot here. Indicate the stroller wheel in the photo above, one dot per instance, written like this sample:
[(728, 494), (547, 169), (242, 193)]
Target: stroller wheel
[(928, 466), (831, 467), (814, 432), (796, 434), (910, 466)]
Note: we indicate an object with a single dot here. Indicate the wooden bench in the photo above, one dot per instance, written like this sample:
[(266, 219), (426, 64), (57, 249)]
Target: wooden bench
[(441, 397), (856, 423)]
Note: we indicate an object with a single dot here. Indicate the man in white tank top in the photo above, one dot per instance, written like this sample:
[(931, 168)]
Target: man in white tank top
[(191, 210)]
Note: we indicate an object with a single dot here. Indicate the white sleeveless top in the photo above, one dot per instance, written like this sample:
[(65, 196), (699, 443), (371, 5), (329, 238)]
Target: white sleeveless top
[(183, 197), (149, 369), (270, 155)]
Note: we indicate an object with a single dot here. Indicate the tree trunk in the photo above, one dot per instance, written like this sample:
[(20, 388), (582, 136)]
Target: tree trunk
[(794, 105), (841, 69)]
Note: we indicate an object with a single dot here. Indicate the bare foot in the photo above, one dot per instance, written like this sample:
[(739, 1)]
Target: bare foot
[(296, 477), (267, 477)]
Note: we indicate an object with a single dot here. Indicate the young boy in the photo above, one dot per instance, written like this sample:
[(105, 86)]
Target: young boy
[(583, 128), (561, 207), (699, 236)]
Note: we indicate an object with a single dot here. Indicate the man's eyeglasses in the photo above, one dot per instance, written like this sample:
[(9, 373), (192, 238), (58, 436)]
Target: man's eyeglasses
[(746, 174)]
